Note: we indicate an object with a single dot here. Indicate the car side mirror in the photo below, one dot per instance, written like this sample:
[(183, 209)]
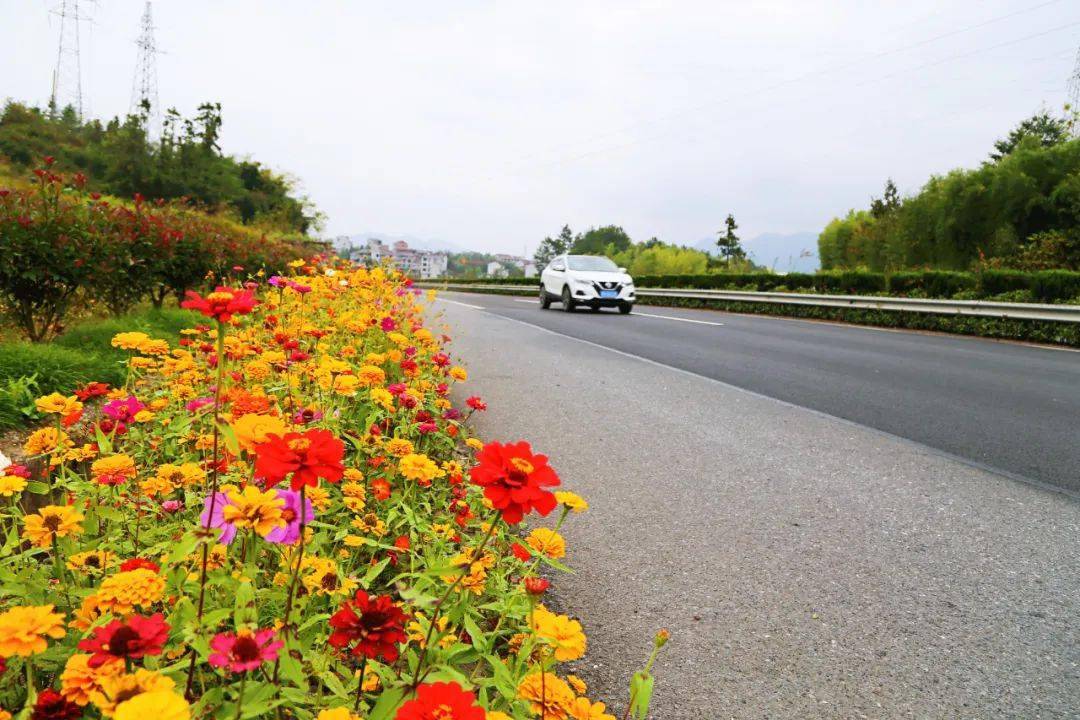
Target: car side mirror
[(622, 270)]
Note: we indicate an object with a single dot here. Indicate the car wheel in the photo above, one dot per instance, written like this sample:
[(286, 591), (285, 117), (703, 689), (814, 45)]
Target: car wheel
[(625, 308), (568, 303), (545, 301)]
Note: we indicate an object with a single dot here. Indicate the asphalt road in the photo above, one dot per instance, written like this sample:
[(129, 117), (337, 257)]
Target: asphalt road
[(1010, 407), (807, 567)]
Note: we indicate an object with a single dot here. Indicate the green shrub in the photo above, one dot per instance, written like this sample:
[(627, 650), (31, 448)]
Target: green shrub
[(996, 282), (1055, 285), (17, 401), (56, 368), (95, 336)]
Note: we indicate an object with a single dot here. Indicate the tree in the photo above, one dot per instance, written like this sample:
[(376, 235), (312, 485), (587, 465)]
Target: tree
[(552, 247), (1046, 129), (728, 242), (600, 241), (888, 203)]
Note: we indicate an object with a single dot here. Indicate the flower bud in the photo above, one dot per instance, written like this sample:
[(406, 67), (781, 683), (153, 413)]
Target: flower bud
[(536, 586)]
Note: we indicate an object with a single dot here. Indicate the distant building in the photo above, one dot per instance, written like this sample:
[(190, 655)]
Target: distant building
[(419, 264), (498, 267)]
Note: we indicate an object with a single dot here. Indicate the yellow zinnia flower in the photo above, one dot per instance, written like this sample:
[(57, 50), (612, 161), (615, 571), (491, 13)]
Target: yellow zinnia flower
[(547, 542), (256, 509), (548, 695), (51, 522), (420, 467), (571, 500), (11, 484), (116, 690), (122, 592), (46, 440), (252, 429), (23, 629), (561, 632), (129, 340), (57, 404), (398, 447), (338, 713), (158, 704), (114, 469), (79, 680)]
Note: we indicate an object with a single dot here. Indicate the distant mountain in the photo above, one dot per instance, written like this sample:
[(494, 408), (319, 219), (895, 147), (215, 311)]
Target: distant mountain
[(784, 253), (390, 238)]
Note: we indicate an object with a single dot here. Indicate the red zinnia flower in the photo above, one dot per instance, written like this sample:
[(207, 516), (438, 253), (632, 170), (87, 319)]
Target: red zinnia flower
[(51, 705), (514, 479), (476, 403), (133, 638), (309, 455), (441, 700), (221, 304), (136, 562), (521, 552), (244, 650), (374, 624)]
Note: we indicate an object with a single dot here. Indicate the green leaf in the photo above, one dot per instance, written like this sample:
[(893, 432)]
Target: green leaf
[(334, 683), (229, 436), (38, 488), (244, 611), (387, 704), (373, 572), (292, 670)]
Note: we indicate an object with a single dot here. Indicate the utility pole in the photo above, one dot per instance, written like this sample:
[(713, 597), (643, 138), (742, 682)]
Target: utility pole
[(1073, 91), (144, 89), (67, 76)]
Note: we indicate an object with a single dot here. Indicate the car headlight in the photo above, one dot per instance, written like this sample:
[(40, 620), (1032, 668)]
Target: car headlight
[(584, 283)]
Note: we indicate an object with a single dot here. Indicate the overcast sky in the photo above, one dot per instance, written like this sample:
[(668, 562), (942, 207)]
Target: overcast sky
[(490, 124)]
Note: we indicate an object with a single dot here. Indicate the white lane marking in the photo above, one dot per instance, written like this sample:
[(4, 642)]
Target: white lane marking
[(474, 307), (1001, 472), (650, 315), (672, 317)]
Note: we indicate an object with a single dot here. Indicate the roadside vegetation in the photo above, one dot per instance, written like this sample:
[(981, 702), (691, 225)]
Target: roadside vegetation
[(280, 511), (1020, 209), (121, 157)]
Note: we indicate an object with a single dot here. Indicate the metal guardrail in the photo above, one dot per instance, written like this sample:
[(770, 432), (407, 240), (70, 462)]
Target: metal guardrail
[(977, 308)]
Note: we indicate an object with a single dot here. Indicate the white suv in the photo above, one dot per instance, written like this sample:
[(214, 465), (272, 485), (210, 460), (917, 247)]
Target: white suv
[(586, 280)]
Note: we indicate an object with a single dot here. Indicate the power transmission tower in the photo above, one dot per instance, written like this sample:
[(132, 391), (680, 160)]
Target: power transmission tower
[(144, 89), (1073, 90), (67, 77)]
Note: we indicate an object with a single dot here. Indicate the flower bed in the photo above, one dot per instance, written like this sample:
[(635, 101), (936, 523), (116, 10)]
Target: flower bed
[(284, 514)]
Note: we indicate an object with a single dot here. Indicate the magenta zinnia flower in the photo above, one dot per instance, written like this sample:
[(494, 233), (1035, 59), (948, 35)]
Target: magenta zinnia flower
[(122, 410), (290, 513), (244, 650), (217, 520)]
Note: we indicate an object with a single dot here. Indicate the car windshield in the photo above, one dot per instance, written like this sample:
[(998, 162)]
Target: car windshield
[(591, 263)]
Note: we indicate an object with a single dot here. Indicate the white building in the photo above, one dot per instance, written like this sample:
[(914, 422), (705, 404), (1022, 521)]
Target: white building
[(419, 264)]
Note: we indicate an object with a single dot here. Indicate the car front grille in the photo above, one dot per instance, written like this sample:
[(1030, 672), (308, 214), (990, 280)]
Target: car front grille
[(607, 285)]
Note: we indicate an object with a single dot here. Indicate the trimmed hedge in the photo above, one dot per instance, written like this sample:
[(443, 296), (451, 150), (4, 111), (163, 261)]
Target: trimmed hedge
[(1046, 286)]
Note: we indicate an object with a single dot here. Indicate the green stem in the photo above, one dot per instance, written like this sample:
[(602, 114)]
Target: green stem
[(438, 605), (240, 697)]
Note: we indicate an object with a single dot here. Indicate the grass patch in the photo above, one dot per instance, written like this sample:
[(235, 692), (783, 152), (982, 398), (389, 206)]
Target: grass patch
[(81, 355)]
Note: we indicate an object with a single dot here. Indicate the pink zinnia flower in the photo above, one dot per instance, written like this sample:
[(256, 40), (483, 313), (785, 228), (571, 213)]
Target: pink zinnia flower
[(388, 324), (217, 520), (290, 513), (122, 410), (244, 650)]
